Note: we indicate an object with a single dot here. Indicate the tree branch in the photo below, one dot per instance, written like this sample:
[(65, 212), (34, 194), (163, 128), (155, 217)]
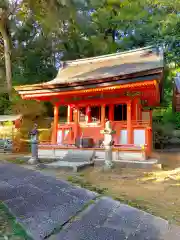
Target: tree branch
[(12, 8)]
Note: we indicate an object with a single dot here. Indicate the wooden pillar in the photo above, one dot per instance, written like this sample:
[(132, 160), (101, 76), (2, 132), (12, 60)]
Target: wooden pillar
[(129, 123), (149, 141), (88, 114), (140, 110), (55, 124), (149, 135), (69, 115), (76, 122), (111, 112), (137, 110), (150, 118), (103, 108), (157, 91)]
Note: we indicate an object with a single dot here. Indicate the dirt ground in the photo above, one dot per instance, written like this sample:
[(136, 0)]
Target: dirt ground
[(157, 192)]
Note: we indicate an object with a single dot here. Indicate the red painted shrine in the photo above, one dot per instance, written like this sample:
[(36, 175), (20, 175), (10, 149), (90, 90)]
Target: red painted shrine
[(118, 87)]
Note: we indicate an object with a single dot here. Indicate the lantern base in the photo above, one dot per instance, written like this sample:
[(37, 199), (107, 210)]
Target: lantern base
[(32, 161)]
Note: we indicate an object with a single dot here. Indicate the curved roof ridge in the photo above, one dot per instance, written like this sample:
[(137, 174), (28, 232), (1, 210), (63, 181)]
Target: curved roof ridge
[(107, 56)]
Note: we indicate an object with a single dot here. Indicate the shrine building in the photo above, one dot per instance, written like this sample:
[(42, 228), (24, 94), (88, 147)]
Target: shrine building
[(121, 87)]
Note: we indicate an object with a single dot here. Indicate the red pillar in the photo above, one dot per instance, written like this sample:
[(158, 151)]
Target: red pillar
[(129, 123), (69, 115), (55, 124), (150, 118), (140, 110), (111, 112), (149, 141), (76, 122), (103, 115), (135, 109), (88, 114), (149, 135)]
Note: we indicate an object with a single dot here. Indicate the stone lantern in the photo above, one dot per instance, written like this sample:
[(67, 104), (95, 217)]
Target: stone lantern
[(108, 143), (34, 145)]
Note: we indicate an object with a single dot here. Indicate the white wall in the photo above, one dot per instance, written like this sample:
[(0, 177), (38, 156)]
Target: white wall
[(139, 136), (123, 137)]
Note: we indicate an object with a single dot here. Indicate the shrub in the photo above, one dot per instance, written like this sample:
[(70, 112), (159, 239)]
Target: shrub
[(45, 135)]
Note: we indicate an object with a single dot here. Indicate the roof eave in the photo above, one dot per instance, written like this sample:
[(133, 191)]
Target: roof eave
[(36, 96), (49, 85)]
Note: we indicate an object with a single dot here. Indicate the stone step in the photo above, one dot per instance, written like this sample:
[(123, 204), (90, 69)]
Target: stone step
[(73, 166), (79, 156), (148, 164), (125, 155)]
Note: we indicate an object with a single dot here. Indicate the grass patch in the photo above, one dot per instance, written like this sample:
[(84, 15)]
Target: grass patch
[(16, 161), (137, 203), (9, 228), (85, 184), (133, 203)]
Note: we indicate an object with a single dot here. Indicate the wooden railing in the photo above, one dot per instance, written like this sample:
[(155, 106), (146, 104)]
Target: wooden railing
[(93, 131), (144, 123), (134, 122)]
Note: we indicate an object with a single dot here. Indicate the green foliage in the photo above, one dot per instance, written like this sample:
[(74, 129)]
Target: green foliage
[(32, 112), (168, 116), (177, 120), (45, 135), (4, 104), (9, 228), (44, 32), (17, 161), (8, 123), (76, 29), (29, 109)]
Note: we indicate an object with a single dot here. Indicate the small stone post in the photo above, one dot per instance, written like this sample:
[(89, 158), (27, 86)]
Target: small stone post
[(34, 145), (108, 143)]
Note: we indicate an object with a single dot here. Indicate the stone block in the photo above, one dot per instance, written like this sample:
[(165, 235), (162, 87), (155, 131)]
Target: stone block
[(43, 223), (81, 193)]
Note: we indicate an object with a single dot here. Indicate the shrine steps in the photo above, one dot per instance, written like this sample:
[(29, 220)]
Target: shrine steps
[(67, 160), (152, 164), (77, 159), (73, 160), (64, 165)]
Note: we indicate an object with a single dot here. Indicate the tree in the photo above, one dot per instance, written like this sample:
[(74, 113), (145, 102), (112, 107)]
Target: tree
[(5, 12), (34, 58), (41, 33)]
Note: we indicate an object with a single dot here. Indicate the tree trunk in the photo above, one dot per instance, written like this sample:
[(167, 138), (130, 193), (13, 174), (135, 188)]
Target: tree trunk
[(7, 57)]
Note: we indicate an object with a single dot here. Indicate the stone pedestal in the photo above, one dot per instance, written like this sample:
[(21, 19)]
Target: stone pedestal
[(34, 153), (34, 147)]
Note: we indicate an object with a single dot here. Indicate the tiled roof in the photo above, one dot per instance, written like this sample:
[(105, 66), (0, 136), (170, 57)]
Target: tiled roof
[(108, 66), (119, 66)]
